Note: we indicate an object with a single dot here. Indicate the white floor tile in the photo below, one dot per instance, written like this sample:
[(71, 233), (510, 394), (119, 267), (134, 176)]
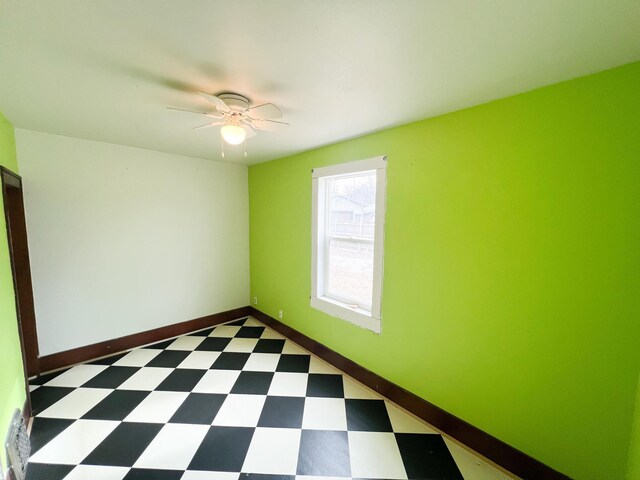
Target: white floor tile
[(199, 360), (252, 322), (405, 423), (76, 404), (147, 378), (75, 443), (311, 477), (33, 387), (262, 362), (473, 467), (375, 455), (138, 358), (193, 475), (76, 376), (94, 472), (286, 384), (217, 381), (324, 414), (293, 348), (353, 389), (271, 334), (274, 451), (240, 411), (158, 407), (245, 345), (185, 343), (318, 366), (226, 331), (173, 447)]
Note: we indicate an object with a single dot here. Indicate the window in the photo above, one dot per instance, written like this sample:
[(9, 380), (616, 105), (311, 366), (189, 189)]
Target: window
[(347, 240)]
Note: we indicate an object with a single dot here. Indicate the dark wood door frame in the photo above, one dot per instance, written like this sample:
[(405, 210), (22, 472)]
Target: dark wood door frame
[(21, 269)]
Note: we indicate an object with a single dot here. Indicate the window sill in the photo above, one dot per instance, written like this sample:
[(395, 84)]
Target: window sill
[(357, 316)]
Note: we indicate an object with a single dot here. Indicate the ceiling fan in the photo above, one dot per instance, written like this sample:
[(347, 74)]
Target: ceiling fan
[(238, 119)]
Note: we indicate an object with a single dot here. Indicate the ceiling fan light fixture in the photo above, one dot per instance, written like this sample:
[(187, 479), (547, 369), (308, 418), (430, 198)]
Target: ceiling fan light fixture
[(233, 134), (237, 118)]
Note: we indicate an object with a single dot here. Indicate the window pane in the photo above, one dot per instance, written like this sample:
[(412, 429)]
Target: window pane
[(350, 276), (351, 215), (352, 205)]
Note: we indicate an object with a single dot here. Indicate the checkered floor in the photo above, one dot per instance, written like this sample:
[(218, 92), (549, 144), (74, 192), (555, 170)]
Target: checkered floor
[(237, 401)]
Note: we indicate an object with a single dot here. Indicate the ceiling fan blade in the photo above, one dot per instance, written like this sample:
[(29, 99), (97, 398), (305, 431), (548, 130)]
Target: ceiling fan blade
[(269, 125), (206, 125), (185, 110), (214, 114), (220, 105), (266, 111), (250, 131)]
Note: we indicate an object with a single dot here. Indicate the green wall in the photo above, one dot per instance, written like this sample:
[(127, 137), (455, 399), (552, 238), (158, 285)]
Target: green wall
[(11, 373), (511, 268), (634, 449)]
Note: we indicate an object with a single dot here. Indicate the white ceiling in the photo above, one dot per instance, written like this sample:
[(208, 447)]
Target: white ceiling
[(106, 69)]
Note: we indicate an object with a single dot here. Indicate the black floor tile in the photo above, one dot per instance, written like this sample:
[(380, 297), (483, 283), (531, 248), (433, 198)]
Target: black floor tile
[(230, 445), (168, 358), (161, 345), (427, 456), (124, 445), (237, 323), (230, 361), (324, 453), (181, 380), (43, 430), (45, 471), (282, 412), (151, 474), (117, 405), (44, 397), (367, 416), (199, 408), (110, 360), (42, 379), (201, 333), (213, 344), (293, 363), (112, 377), (250, 332), (269, 345), (256, 383), (325, 385)]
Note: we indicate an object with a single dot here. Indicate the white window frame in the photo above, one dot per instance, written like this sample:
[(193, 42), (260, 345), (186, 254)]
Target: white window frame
[(370, 319)]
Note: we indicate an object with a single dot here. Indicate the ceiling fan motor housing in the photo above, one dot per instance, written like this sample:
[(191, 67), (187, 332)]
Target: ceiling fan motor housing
[(236, 103)]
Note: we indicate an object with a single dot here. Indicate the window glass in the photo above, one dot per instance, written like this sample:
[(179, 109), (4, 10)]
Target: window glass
[(350, 236)]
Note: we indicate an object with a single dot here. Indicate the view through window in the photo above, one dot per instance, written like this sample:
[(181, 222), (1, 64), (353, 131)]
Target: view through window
[(350, 236)]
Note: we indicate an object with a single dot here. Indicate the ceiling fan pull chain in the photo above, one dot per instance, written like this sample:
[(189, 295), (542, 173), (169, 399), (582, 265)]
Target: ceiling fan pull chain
[(221, 145), (245, 148)]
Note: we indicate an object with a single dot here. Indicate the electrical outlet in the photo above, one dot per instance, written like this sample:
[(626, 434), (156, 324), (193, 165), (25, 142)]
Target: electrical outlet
[(255, 300), (280, 314)]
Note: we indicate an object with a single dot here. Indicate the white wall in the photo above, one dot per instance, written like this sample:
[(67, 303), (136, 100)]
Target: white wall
[(123, 240)]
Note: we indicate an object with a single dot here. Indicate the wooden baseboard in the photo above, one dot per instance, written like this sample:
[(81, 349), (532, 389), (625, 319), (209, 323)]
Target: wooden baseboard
[(26, 411), (497, 451), (101, 349)]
